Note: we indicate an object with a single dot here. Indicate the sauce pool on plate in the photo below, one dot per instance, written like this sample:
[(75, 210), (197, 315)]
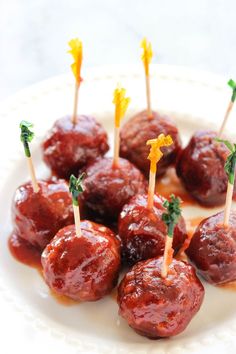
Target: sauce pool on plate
[(170, 183), (24, 252)]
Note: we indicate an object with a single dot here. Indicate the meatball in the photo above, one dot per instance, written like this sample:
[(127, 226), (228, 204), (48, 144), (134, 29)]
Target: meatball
[(68, 147), (201, 168), (38, 216), (143, 232), (159, 307), (83, 268), (139, 129), (107, 187), (213, 249)]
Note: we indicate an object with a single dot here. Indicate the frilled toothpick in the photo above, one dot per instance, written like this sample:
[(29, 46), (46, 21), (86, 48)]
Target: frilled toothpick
[(76, 188), (26, 137), (146, 58), (231, 84), (230, 171), (170, 218), (77, 53), (154, 156), (121, 104)]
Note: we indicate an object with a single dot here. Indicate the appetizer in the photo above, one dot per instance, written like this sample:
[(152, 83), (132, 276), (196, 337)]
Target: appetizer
[(82, 261), (75, 140), (148, 125), (213, 246), (206, 157), (111, 182), (39, 208), (140, 225), (159, 297), (81, 258)]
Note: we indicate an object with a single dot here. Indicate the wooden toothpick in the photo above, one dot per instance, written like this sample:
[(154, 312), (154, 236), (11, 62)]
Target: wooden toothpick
[(77, 53), (26, 137), (121, 104), (146, 58), (154, 156), (232, 84), (228, 203)]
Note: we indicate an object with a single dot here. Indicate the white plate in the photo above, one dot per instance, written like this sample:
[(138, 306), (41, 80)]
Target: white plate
[(38, 321)]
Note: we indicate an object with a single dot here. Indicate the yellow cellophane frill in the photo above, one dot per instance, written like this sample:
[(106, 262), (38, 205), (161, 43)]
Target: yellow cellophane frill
[(155, 150), (77, 53), (121, 104), (146, 55)]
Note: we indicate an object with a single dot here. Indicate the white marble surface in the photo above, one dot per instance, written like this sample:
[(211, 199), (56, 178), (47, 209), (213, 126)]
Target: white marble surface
[(34, 35)]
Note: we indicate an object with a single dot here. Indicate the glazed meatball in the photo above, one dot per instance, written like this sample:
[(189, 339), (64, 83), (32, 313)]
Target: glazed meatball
[(83, 268), (143, 232), (213, 249), (107, 188), (139, 129), (67, 148), (159, 307), (201, 168), (38, 216)]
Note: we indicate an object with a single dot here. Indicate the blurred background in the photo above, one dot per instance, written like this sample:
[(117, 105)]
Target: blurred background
[(34, 35)]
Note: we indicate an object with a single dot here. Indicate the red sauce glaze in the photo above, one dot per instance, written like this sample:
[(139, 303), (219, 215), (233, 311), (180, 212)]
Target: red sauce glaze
[(143, 232), (171, 184), (193, 223), (38, 216), (24, 252), (213, 249), (62, 299), (67, 147), (107, 188), (201, 168), (83, 268), (229, 286), (113, 294), (155, 307), (136, 132), (191, 226)]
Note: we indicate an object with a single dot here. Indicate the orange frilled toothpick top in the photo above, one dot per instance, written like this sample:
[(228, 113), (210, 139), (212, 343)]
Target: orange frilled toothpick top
[(154, 156), (146, 58), (155, 150), (146, 55), (77, 53), (121, 104)]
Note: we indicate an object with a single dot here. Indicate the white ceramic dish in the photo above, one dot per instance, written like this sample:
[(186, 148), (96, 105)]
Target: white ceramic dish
[(38, 321)]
